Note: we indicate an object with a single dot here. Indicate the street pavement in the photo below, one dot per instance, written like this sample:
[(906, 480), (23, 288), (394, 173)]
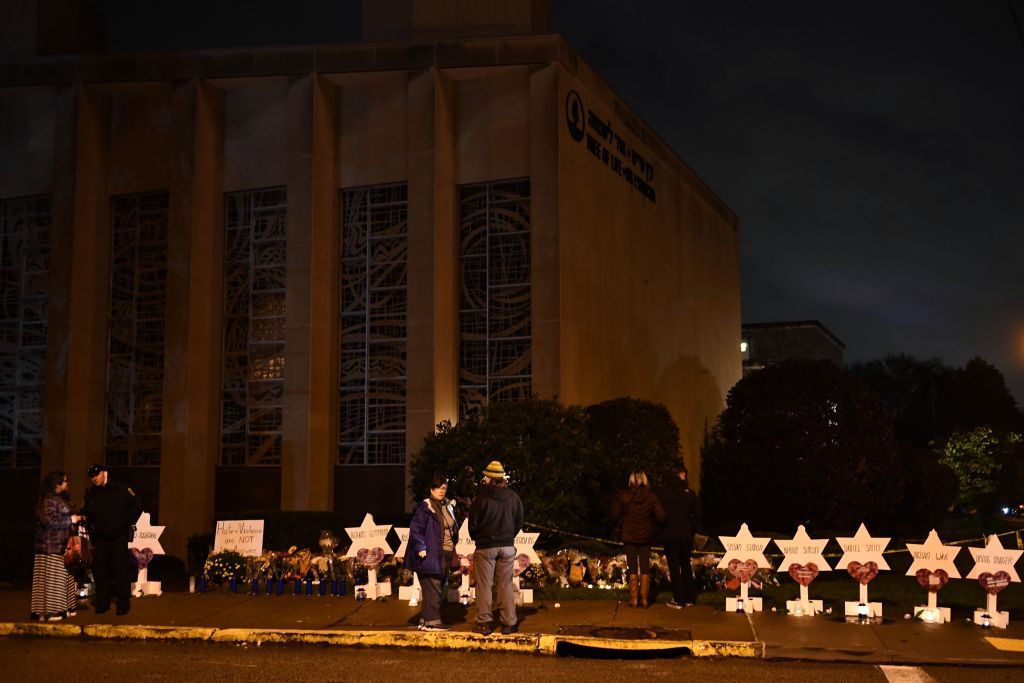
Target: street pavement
[(573, 627)]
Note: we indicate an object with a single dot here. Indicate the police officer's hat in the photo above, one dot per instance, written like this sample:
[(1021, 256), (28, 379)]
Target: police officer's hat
[(95, 469)]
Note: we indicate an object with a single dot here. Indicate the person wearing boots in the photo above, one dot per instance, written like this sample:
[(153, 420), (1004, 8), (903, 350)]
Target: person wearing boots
[(111, 509), (638, 510), (682, 508)]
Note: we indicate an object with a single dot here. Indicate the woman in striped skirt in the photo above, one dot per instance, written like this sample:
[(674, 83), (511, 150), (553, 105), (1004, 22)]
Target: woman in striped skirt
[(54, 591)]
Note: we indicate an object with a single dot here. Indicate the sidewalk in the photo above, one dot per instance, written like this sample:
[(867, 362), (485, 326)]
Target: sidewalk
[(544, 629)]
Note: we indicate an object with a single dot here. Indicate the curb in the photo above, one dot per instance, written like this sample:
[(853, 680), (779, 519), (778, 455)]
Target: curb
[(522, 643)]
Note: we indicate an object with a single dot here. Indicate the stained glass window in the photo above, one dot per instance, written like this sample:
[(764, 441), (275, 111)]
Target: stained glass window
[(374, 278), (494, 301), (252, 399), (24, 265), (135, 346)]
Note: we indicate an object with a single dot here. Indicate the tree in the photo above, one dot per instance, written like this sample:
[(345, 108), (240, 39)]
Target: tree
[(565, 462), (982, 398), (543, 445), (802, 441), (630, 434)]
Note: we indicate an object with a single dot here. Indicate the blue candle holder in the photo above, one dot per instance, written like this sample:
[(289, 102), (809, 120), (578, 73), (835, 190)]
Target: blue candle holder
[(270, 586), (334, 586), (255, 586), (309, 587), (323, 587), (202, 584), (298, 587), (280, 586), (234, 585), (342, 587)]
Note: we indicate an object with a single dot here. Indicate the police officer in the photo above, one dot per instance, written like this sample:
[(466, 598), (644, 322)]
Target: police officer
[(111, 509)]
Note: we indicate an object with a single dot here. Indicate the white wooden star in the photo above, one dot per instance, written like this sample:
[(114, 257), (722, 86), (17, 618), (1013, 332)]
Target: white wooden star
[(368, 535), (932, 555), (863, 548), (744, 547), (465, 546), (403, 538), (803, 550), (994, 558), (524, 545), (147, 535)]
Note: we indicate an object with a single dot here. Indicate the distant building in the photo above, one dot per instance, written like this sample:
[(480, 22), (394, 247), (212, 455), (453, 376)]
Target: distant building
[(257, 278), (766, 343)]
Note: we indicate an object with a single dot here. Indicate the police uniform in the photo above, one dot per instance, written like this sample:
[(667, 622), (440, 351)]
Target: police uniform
[(110, 511)]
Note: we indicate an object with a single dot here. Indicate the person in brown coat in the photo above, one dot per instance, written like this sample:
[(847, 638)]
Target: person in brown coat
[(638, 509)]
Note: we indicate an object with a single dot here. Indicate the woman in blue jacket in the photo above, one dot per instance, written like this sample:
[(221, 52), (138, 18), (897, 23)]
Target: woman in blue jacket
[(433, 533)]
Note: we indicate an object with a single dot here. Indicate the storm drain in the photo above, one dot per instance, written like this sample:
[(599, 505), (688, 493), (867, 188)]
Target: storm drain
[(622, 642)]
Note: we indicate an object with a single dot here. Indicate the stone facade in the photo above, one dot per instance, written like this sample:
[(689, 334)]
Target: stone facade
[(633, 261)]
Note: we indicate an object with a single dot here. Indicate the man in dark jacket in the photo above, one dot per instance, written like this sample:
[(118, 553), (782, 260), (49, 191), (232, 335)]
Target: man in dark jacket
[(111, 509), (682, 521), (495, 517)]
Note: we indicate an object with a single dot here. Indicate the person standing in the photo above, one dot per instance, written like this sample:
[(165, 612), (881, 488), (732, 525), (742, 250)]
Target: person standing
[(54, 591), (433, 533), (111, 509), (682, 521), (495, 517), (638, 509)]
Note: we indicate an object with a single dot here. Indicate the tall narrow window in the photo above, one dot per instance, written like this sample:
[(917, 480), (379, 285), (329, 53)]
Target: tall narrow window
[(252, 399), (494, 304), (374, 277), (24, 264), (135, 346)]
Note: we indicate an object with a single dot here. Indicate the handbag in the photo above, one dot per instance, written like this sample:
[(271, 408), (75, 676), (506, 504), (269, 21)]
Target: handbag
[(78, 552)]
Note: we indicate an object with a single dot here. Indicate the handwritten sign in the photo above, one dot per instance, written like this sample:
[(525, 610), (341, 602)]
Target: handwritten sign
[(803, 550), (994, 559), (934, 556), (745, 548), (244, 536), (368, 536)]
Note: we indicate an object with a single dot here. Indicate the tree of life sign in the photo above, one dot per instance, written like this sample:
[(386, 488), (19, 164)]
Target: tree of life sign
[(933, 568), (803, 560), (863, 557), (744, 555), (369, 548), (993, 568)]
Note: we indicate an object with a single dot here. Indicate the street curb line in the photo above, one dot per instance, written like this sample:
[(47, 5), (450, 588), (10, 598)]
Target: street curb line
[(523, 643), (41, 629), (448, 640), (134, 632)]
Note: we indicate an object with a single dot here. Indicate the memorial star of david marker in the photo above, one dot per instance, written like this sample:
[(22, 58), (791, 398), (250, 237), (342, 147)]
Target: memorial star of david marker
[(933, 567), (525, 556), (802, 560), (863, 557), (744, 555), (369, 547), (464, 548), (144, 546), (413, 593), (994, 571)]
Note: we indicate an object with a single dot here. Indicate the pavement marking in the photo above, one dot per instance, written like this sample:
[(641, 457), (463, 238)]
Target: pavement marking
[(1006, 644), (905, 674)]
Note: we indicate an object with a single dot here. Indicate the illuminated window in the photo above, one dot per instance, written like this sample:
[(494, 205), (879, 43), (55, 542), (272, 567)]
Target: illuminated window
[(374, 304), (252, 399), (135, 345), (24, 264), (494, 301)]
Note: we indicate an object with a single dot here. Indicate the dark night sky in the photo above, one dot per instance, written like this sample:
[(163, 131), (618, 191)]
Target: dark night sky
[(872, 150)]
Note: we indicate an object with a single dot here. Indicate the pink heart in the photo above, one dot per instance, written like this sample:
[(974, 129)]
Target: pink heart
[(932, 581), (370, 558), (803, 573), (142, 558), (742, 570), (520, 565), (993, 583), (863, 573)]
